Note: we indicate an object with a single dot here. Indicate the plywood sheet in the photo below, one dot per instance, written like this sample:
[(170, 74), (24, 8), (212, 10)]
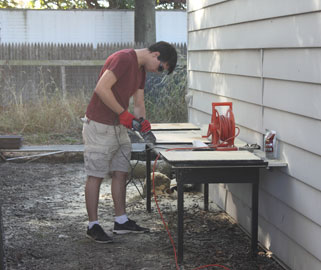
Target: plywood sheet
[(177, 137), (173, 126), (208, 156)]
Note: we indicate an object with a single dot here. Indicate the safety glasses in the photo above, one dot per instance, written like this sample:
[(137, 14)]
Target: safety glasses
[(160, 67)]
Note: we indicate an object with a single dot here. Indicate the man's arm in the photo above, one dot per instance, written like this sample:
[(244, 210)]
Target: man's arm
[(139, 104), (103, 90)]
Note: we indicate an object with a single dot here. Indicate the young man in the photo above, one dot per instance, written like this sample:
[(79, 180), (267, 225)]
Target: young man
[(107, 144)]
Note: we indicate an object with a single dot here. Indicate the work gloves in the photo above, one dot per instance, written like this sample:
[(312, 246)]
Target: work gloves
[(126, 119), (145, 126)]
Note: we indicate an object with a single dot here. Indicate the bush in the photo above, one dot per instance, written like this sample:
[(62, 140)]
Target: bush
[(165, 97)]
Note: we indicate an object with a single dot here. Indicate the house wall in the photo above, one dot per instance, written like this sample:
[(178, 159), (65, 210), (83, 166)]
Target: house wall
[(85, 26), (265, 57)]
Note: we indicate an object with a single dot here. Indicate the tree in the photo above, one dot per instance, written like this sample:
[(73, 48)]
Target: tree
[(145, 29)]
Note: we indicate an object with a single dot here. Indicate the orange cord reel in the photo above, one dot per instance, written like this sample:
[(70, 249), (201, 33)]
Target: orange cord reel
[(222, 128)]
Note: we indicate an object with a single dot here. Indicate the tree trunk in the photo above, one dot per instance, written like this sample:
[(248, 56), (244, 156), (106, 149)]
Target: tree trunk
[(145, 29)]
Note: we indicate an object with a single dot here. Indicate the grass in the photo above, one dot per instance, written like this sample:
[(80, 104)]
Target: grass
[(54, 118), (49, 119)]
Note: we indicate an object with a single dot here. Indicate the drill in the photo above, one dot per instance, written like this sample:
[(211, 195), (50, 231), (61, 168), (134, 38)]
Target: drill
[(148, 136)]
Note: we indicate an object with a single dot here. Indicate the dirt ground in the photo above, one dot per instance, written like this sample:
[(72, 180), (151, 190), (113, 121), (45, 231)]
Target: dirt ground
[(44, 224)]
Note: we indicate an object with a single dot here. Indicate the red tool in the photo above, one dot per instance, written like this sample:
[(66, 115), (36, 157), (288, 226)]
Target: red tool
[(222, 128)]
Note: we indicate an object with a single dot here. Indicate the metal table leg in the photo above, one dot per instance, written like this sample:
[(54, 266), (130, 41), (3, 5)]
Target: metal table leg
[(206, 197), (180, 215), (1, 241), (255, 210), (148, 180)]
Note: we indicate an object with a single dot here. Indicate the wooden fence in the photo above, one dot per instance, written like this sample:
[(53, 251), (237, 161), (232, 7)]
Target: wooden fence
[(43, 51), (25, 68)]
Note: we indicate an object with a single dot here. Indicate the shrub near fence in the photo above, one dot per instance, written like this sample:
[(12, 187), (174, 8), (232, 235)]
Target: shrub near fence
[(33, 73)]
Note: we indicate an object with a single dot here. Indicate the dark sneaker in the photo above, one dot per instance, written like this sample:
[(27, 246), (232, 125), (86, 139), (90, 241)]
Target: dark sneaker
[(129, 227), (97, 234)]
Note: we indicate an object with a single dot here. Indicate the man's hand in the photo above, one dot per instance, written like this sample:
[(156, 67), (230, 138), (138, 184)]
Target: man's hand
[(126, 119), (145, 126)]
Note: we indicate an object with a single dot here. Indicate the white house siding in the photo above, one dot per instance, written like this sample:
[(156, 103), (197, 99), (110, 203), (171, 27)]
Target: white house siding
[(265, 57), (85, 26)]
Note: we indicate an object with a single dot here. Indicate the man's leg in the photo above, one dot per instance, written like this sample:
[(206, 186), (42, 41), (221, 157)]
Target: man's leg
[(92, 196), (118, 191), (94, 230), (122, 223)]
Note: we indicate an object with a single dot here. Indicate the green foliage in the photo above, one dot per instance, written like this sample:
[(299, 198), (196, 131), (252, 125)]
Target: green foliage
[(165, 97), (89, 4), (170, 4), (8, 3), (59, 4)]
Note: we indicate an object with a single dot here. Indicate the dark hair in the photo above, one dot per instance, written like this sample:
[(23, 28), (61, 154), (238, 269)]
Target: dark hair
[(167, 54)]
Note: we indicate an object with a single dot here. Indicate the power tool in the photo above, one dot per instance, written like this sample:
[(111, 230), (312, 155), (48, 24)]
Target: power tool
[(148, 136)]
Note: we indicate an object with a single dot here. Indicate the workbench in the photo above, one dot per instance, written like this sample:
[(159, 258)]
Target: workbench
[(207, 167), (200, 167)]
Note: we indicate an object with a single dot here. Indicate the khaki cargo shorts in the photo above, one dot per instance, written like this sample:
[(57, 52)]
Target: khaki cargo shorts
[(107, 148)]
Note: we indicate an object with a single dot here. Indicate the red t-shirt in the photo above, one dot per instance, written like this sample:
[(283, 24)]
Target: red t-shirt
[(129, 78)]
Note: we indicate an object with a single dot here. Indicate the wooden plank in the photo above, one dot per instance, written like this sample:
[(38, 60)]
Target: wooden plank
[(273, 163), (173, 126), (211, 159), (10, 141), (184, 156), (178, 137)]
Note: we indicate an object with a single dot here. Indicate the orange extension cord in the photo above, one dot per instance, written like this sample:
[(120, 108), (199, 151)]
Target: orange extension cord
[(226, 134), (226, 128), (163, 220)]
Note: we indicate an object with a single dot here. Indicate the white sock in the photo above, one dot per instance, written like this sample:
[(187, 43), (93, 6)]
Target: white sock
[(92, 223), (121, 219)]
